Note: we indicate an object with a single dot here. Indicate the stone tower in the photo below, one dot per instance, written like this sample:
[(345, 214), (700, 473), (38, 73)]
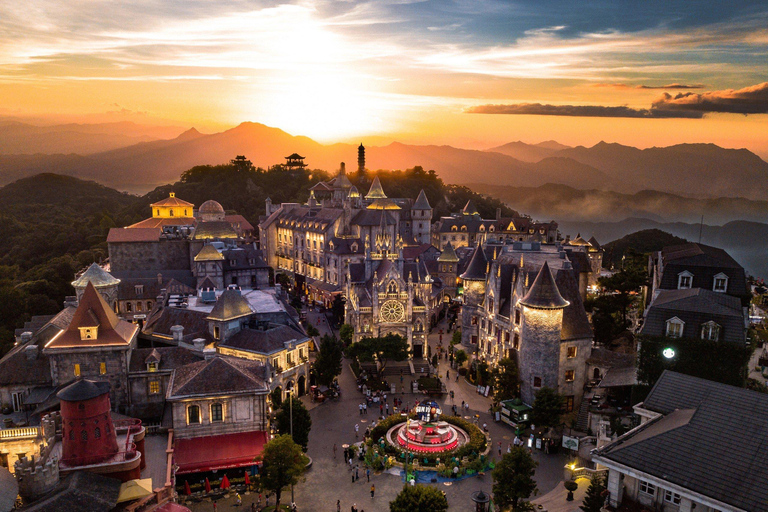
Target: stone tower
[(474, 293), (104, 282), (542, 321), (361, 159), (421, 216)]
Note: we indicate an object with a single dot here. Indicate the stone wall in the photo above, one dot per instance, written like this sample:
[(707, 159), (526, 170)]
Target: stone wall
[(146, 405), (63, 370), (150, 256), (579, 366), (240, 414), (539, 350)]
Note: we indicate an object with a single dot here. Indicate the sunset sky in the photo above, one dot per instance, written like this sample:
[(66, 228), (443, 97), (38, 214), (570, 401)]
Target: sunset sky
[(468, 73)]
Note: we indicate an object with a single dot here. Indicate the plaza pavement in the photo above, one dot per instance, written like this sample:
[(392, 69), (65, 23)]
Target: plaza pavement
[(329, 479)]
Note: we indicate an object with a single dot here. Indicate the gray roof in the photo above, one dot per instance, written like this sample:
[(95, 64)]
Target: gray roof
[(704, 262), (80, 492), (266, 341), (422, 203), (96, 276), (478, 266), (170, 358), (221, 374), (695, 307), (229, 306), (83, 389), (544, 293), (712, 439)]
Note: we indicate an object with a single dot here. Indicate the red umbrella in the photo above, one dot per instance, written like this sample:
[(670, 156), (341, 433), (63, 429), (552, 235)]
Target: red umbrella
[(187, 490), (225, 482), (247, 480), (207, 485)]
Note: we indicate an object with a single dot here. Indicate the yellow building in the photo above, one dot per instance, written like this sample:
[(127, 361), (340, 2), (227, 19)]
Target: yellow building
[(170, 211)]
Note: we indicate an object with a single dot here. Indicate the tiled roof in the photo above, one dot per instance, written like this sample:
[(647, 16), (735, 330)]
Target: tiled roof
[(172, 200), (161, 320), (17, 369), (239, 222), (478, 266), (422, 203), (130, 234), (713, 440), (699, 254), (209, 253), (83, 389), (161, 222), (544, 293), (372, 218), (94, 310), (610, 359), (96, 276), (448, 254), (218, 375), (264, 341), (229, 306), (214, 230), (576, 324), (170, 358)]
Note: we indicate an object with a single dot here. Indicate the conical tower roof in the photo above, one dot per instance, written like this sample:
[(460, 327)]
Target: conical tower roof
[(470, 208), (376, 192), (448, 254), (97, 276), (422, 203), (478, 266), (544, 293)]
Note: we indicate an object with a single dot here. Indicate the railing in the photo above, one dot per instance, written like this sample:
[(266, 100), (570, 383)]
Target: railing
[(123, 456), (585, 472), (19, 433)]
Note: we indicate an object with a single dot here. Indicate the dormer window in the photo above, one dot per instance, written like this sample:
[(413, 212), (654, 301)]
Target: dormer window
[(675, 327), (139, 289), (453, 228), (720, 284), (710, 331), (233, 263), (152, 367), (89, 333), (252, 261), (684, 280)]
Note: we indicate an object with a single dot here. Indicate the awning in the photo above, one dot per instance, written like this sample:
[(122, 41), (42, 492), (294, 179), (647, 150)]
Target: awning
[(135, 489), (226, 451)]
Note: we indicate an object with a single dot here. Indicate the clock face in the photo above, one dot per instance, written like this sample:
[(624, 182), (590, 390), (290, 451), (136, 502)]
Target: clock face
[(392, 311)]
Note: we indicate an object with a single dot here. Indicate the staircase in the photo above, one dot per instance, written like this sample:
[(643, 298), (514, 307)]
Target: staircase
[(582, 420), (394, 368), (420, 367)]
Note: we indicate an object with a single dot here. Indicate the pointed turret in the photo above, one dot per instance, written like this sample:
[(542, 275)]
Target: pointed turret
[(544, 293), (376, 192), (422, 203), (448, 255), (478, 266), (470, 208)]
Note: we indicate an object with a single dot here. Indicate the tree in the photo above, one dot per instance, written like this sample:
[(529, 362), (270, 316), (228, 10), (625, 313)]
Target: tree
[(277, 397), (345, 334), (390, 347), (505, 379), (456, 337), (302, 422), (460, 357), (312, 331), (419, 498), (594, 499), (327, 366), (337, 309), (513, 478), (482, 373), (283, 465), (625, 283), (547, 407)]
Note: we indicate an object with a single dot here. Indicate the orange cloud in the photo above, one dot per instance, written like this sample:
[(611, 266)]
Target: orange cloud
[(749, 100)]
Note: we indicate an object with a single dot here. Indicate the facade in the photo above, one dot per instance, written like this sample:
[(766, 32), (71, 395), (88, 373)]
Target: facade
[(701, 446), (468, 229), (522, 300), (96, 344), (220, 395), (315, 241)]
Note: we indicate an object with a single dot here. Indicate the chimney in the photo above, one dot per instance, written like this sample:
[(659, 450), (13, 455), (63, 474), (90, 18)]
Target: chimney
[(199, 344), (159, 278), (178, 333), (31, 352), (498, 213), (26, 336)]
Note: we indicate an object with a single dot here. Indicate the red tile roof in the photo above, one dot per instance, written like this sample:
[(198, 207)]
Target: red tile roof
[(133, 235)]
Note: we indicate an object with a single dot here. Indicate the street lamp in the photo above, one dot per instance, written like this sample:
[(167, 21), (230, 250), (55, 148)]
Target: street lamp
[(289, 388)]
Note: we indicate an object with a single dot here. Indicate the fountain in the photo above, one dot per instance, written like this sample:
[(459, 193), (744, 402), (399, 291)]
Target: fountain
[(427, 434)]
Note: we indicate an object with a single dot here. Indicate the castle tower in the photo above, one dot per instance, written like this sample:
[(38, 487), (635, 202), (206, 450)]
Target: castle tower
[(474, 291), (361, 159), (447, 269), (542, 320), (104, 282), (87, 433), (421, 216)]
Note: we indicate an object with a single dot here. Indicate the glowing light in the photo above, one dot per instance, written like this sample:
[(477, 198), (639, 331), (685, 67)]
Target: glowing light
[(668, 352)]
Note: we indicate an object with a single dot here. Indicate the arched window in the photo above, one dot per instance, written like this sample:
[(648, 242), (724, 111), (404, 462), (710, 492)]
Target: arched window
[(193, 414), (83, 435), (170, 212), (392, 287), (97, 433)]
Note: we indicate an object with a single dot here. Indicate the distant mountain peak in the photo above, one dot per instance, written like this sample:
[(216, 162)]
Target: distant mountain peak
[(190, 134)]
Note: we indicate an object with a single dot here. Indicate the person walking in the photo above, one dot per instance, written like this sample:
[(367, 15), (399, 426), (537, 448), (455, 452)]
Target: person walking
[(499, 444), (253, 507), (373, 490), (357, 429), (215, 507), (387, 405), (238, 500), (357, 475), (338, 505), (368, 474), (365, 409)]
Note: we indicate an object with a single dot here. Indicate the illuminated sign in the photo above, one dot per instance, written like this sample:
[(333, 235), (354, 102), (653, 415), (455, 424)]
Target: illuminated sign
[(668, 352), (428, 411)]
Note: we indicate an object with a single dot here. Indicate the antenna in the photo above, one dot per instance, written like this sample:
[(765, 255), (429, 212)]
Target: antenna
[(701, 227)]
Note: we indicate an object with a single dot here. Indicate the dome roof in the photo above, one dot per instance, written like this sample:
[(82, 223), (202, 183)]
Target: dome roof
[(211, 206), (97, 276), (83, 389)]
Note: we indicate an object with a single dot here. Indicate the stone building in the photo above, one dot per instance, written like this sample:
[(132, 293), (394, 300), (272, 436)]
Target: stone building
[(522, 301), (103, 281), (468, 229), (315, 241), (96, 344)]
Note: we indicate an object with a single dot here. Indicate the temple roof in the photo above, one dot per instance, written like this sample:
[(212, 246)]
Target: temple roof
[(97, 276), (376, 192), (544, 293), (478, 266), (422, 203), (172, 200)]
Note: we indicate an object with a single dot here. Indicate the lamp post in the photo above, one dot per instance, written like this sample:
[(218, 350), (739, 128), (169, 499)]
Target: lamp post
[(290, 420)]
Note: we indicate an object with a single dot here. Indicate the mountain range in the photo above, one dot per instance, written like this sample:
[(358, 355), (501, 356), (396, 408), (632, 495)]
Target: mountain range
[(692, 170)]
